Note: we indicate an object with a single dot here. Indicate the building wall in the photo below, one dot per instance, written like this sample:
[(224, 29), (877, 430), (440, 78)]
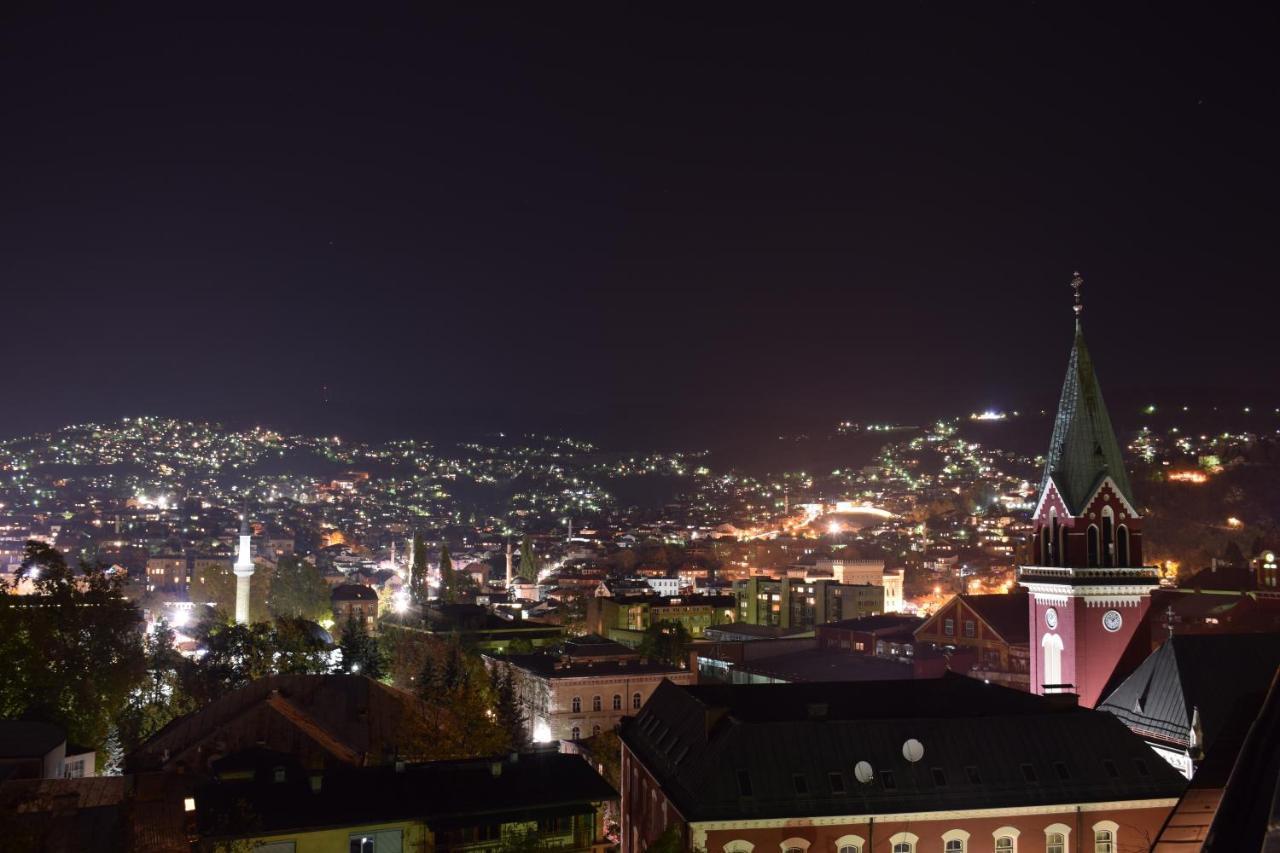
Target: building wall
[(413, 835), (646, 809), (1136, 828), (561, 719)]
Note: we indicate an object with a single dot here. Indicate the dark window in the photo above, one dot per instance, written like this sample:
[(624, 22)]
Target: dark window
[(1061, 770), (617, 701), (1142, 767), (886, 779), (970, 628), (361, 844), (949, 627), (801, 784), (939, 778), (972, 773), (1029, 773), (1110, 767), (836, 781), (560, 825), (744, 783)]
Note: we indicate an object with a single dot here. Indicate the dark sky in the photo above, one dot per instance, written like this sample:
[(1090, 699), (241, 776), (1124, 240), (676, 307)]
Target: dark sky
[(628, 221)]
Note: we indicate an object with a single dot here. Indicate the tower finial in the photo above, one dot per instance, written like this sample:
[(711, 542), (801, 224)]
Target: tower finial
[(1077, 281)]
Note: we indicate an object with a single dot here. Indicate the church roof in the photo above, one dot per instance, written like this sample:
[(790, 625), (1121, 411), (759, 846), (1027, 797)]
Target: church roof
[(1208, 672), (1083, 448)]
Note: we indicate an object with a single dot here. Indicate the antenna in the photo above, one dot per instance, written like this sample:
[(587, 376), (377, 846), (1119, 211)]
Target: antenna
[(863, 773), (913, 750)]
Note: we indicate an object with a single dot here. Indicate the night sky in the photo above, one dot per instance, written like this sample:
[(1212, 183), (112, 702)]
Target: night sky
[(629, 222)]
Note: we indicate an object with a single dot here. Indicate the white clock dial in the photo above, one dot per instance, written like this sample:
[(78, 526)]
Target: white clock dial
[(1051, 618), (1111, 620)]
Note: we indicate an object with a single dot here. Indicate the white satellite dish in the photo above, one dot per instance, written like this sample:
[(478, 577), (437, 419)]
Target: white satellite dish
[(913, 750), (863, 773)]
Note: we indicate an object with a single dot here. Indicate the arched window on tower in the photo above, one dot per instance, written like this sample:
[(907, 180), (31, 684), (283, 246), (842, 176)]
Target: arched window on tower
[(1122, 545), (1051, 672), (1044, 546), (1093, 546), (1108, 537), (1061, 545)]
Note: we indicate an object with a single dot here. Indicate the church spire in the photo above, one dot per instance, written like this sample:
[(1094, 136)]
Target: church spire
[(1083, 449)]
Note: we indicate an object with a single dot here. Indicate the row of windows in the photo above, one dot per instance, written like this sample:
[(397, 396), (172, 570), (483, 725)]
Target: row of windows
[(949, 627), (1004, 840), (576, 732), (597, 703)]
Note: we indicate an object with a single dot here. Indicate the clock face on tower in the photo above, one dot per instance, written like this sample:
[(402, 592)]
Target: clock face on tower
[(1112, 621), (1051, 618)]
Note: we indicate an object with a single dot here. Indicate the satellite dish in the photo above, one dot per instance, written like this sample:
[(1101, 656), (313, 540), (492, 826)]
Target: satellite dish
[(863, 773), (913, 750)]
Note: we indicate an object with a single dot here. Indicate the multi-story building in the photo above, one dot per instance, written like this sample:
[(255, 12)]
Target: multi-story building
[(945, 765), (993, 626), (583, 688), (798, 603), (168, 572), (625, 618)]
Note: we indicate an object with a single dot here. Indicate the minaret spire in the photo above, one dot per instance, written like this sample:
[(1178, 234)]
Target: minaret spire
[(243, 568)]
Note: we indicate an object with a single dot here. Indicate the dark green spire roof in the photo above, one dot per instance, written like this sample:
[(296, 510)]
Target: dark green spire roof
[(1083, 449)]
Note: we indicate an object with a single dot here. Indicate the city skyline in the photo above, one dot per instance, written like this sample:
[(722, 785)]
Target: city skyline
[(624, 226)]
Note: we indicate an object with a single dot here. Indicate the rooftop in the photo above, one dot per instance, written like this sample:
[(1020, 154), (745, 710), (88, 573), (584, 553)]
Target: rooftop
[(789, 750)]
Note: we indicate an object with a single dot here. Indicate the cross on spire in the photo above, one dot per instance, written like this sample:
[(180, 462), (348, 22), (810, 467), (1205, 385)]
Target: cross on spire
[(1076, 283)]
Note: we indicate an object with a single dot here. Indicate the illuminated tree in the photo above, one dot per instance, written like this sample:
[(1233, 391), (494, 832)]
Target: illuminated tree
[(418, 570), (298, 591), (72, 650), (528, 563), (361, 653)]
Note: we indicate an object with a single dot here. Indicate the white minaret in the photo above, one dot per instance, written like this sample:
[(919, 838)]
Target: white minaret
[(510, 573), (243, 570)]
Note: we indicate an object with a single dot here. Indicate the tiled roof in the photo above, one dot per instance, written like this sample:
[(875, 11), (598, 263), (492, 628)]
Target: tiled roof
[(984, 746), (1083, 448)]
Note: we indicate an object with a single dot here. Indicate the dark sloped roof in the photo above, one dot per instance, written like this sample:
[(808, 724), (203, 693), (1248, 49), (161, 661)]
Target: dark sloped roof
[(1211, 672), (28, 738), (879, 622), (832, 665), (1007, 614), (699, 740), (1083, 448), (444, 793), (1248, 815), (354, 592)]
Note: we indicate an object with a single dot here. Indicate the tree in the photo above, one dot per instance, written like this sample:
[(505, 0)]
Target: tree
[(161, 696), (506, 708), (418, 570), (528, 563), (361, 653), (448, 586), (298, 591), (72, 649), (667, 641)]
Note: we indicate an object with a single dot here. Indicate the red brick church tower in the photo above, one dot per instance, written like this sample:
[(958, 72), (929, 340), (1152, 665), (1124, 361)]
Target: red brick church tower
[(1089, 589)]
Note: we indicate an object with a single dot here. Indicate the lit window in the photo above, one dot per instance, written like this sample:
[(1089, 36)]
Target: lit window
[(1104, 841), (1004, 844), (1056, 842)]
